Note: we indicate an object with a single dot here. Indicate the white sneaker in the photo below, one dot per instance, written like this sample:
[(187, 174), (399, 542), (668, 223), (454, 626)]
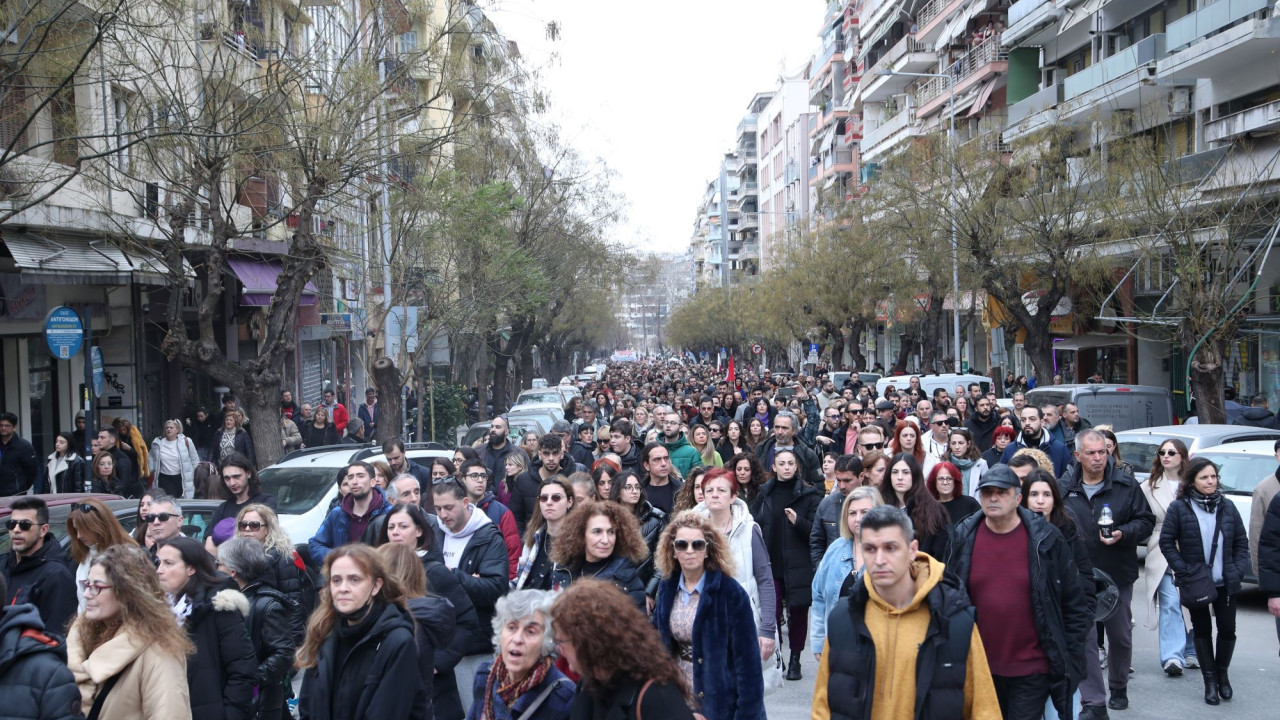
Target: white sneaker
[(1173, 668), (1192, 663)]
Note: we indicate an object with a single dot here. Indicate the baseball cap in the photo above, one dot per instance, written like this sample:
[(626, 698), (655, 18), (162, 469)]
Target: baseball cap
[(999, 476)]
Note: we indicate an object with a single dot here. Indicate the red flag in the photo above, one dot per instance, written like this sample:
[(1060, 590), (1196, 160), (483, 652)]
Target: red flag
[(731, 377)]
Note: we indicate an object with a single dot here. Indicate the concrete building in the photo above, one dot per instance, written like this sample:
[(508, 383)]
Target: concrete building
[(782, 134)]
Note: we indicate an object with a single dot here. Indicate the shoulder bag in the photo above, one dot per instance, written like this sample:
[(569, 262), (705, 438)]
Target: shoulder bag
[(1196, 588)]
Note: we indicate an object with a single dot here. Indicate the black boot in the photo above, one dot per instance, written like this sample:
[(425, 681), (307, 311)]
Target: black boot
[(793, 667), (1226, 648), (1208, 669)]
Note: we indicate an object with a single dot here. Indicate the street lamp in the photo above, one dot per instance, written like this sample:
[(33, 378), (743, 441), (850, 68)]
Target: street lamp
[(955, 244)]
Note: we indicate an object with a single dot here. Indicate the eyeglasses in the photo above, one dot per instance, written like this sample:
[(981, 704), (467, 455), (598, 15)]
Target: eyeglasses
[(872, 446), (92, 589), (945, 478), (476, 476), (684, 545), (84, 508), (25, 525), (632, 488), (251, 526), (160, 517), (938, 423), (1168, 453), (552, 498)]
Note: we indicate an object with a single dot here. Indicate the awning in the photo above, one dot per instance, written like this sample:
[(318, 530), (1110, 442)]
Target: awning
[(825, 139), (85, 261), (259, 278), (984, 94), (1085, 342)]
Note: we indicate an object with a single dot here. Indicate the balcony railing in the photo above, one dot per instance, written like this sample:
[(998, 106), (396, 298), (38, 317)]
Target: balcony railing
[(973, 61), (748, 124), (906, 45), (888, 128), (1148, 50), (930, 11), (1046, 98), (1212, 18), (1023, 8), (839, 157), (749, 188)]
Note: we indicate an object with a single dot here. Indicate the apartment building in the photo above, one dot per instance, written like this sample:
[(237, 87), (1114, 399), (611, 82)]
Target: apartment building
[(647, 307), (837, 125), (782, 139)]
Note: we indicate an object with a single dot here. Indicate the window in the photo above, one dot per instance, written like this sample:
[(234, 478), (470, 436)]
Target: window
[(13, 115), (120, 108), (62, 118), (408, 42)]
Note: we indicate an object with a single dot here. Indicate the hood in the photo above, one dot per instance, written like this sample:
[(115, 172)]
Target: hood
[(434, 616), (1256, 413), (22, 633), (738, 510), (377, 501), (228, 599), (477, 521), (926, 571), (679, 443)]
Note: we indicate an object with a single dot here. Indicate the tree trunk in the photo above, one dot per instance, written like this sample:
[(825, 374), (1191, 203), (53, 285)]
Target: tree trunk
[(856, 328), (527, 373), (904, 352), (837, 349), (262, 406), (1207, 371), (1039, 349), (386, 378)]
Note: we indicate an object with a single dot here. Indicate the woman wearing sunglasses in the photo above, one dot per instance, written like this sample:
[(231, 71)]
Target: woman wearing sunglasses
[(92, 528), (286, 570), (1164, 608), (699, 615)]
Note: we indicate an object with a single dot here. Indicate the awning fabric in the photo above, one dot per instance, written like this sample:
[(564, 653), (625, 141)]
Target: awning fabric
[(85, 261), (1085, 342), (260, 280), (825, 139), (984, 94)]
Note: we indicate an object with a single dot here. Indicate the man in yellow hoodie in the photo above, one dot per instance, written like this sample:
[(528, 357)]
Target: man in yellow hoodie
[(903, 645)]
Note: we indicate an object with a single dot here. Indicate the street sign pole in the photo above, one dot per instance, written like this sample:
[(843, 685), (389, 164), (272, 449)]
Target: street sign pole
[(90, 424)]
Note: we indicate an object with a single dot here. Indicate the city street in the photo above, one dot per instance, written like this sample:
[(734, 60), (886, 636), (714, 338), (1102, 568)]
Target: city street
[(1255, 674)]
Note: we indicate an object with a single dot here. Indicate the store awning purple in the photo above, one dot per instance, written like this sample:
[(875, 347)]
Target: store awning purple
[(260, 279)]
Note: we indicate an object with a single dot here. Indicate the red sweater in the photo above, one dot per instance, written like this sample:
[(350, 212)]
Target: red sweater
[(1000, 588)]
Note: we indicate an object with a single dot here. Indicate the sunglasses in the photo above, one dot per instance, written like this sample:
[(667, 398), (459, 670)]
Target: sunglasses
[(938, 423), (1168, 453), (251, 526), (25, 525), (684, 545), (444, 480), (553, 498), (161, 517), (873, 446), (84, 508)]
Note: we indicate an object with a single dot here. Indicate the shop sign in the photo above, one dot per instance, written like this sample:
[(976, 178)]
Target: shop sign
[(20, 300)]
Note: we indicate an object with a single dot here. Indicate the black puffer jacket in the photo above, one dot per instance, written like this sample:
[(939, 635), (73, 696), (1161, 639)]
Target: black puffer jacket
[(652, 521), (445, 700), (273, 645), (1269, 551), (1182, 547), (433, 616), (1133, 518), (44, 579), (378, 678), (224, 669), (1058, 602), (795, 568), (483, 572), (826, 526), (33, 669), (618, 570), (288, 575)]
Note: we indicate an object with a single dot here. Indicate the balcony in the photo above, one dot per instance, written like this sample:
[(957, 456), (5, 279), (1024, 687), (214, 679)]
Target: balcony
[(1210, 19), (908, 55), (1118, 71), (749, 221), (932, 18), (1027, 114), (879, 142), (747, 127), (1214, 47), (1031, 22), (978, 65), (790, 173), (749, 250), (1263, 118), (748, 189)]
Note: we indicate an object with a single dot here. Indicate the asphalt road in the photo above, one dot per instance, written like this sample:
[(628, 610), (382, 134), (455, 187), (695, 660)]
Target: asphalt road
[(1255, 675)]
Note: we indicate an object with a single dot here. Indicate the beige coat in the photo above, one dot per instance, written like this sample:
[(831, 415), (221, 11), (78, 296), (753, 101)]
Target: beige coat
[(152, 684), (1155, 565), (1262, 495)]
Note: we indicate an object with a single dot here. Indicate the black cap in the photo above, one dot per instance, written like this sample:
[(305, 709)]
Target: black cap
[(885, 405), (1000, 476)]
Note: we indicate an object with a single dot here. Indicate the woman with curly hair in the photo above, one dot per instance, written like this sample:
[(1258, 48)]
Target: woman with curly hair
[(360, 657), (905, 488), (691, 494), (126, 637), (749, 474), (699, 614), (92, 528), (592, 621), (732, 442), (601, 540)]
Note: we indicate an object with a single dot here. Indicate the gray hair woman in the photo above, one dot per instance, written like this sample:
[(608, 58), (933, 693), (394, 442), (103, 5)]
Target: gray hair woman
[(522, 681), (173, 461), (268, 620)]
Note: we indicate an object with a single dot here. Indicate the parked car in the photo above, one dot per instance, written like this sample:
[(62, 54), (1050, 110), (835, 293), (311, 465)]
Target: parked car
[(929, 383), (538, 383), (196, 514), (1123, 407), (1241, 466), (542, 396), (519, 427), (1138, 447), (546, 413)]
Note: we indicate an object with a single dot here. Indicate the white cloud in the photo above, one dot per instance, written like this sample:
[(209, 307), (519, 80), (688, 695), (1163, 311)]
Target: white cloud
[(657, 88)]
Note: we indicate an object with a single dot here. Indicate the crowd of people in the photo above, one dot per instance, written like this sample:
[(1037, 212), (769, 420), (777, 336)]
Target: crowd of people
[(673, 546)]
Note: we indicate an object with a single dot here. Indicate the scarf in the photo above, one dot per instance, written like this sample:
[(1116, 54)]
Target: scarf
[(1208, 502), (500, 680), (966, 469), (181, 609)]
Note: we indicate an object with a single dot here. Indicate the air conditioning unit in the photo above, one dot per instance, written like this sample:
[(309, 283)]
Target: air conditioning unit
[(1180, 102)]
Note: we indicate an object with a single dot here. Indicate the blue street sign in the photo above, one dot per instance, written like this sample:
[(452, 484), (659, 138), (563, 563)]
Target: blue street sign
[(813, 348), (63, 332), (95, 355)]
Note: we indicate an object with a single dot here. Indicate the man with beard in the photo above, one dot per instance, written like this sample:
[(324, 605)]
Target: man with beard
[(1054, 426), (784, 438), (683, 456), (1034, 435), (982, 423), (494, 452), (524, 496), (661, 485), (347, 522), (621, 442), (36, 567), (835, 437), (393, 450)]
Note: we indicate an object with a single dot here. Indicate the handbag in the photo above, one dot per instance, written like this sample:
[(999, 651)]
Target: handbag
[(773, 674), (1196, 588)]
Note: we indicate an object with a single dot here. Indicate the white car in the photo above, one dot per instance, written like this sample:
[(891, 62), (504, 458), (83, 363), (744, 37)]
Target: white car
[(1241, 466), (1138, 447)]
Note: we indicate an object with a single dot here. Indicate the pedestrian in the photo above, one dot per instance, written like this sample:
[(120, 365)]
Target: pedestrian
[(33, 666), (904, 487), (551, 456), (1032, 612), (268, 619), (433, 614), (1204, 533), (841, 563), (174, 460), (749, 474), (945, 485), (128, 656), (222, 674), (233, 438), (847, 472), (592, 621), (1092, 484), (336, 411), (369, 413), (475, 478), (683, 455), (906, 440), (319, 431), (408, 525), (733, 442), (36, 570), (92, 528), (662, 481), (965, 456), (785, 510), (64, 470), (514, 465), (1001, 438), (1164, 609), (584, 487), (982, 424), (556, 500), (130, 440), (347, 522), (896, 646), (785, 426), (1034, 435), (1269, 560), (756, 433), (601, 540), (522, 681), (1263, 493), (360, 659), (105, 477), (700, 612), (291, 436), (243, 488)]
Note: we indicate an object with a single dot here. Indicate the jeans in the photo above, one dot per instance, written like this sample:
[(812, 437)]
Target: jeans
[(1120, 655), (1174, 637), (1022, 698)]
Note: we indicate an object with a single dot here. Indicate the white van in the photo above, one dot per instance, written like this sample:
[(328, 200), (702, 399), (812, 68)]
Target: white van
[(1123, 407), (929, 383)]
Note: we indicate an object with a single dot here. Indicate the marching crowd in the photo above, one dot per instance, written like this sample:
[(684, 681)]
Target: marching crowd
[(671, 548)]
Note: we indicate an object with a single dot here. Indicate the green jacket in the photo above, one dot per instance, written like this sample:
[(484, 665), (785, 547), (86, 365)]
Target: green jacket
[(683, 457)]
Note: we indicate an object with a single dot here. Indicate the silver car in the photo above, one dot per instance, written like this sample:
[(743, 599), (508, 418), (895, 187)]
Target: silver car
[(1138, 447), (1241, 466)]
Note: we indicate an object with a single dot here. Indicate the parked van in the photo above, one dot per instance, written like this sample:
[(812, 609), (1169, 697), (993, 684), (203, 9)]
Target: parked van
[(929, 383), (1123, 407)]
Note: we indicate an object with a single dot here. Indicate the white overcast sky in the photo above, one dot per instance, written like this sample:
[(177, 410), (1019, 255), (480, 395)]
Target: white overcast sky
[(657, 88)]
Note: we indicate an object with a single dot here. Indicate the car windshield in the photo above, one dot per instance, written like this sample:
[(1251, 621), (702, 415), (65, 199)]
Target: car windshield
[(1140, 453), (297, 489), (552, 396), (1241, 473)]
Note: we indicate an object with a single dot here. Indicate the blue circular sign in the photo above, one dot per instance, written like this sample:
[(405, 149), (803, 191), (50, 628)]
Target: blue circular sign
[(64, 332)]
